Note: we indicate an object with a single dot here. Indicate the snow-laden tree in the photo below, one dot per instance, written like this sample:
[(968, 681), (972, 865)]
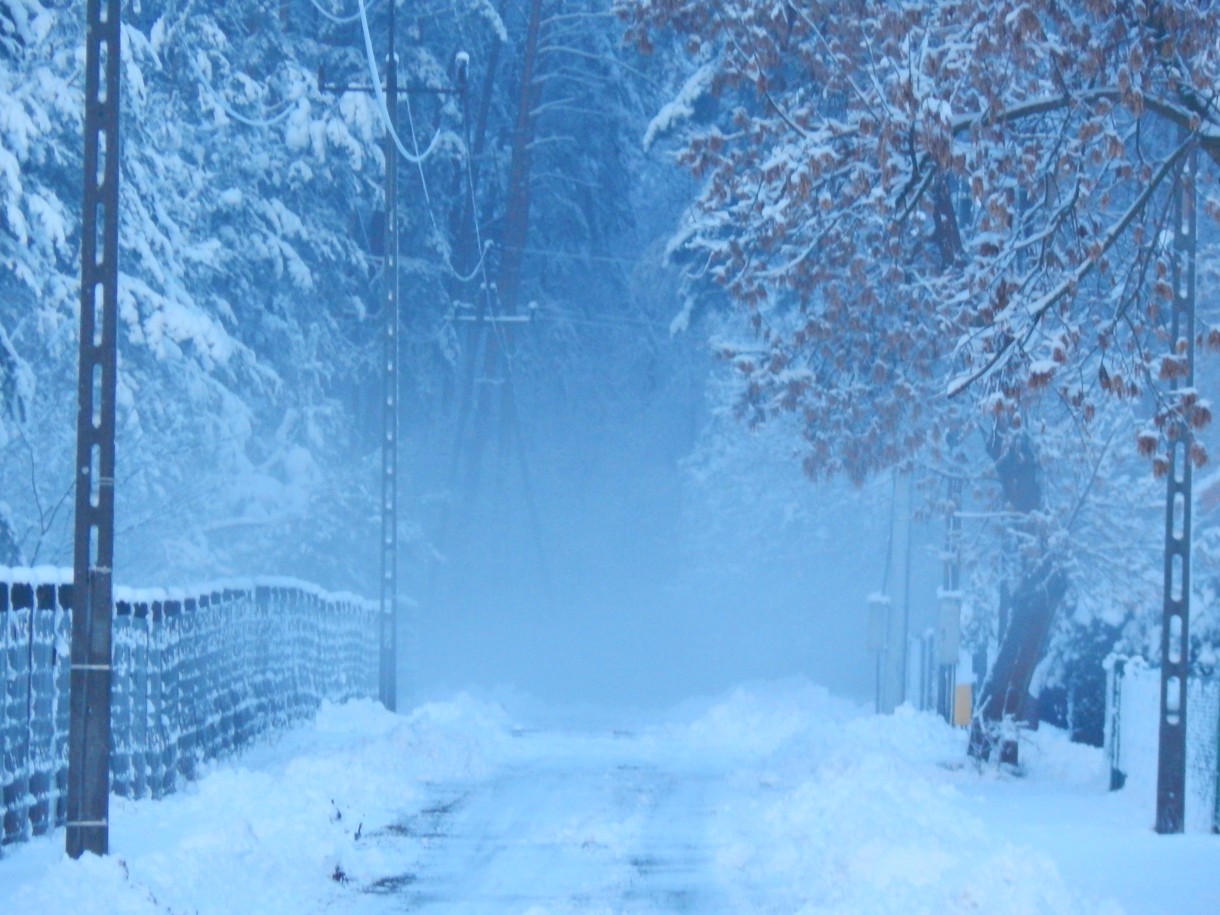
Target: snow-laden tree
[(244, 329), (941, 217), (552, 116)]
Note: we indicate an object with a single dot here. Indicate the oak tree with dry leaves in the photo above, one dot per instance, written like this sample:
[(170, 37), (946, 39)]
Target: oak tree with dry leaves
[(941, 216)]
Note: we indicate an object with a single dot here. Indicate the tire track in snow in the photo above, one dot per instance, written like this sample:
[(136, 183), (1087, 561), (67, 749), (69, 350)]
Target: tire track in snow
[(587, 823)]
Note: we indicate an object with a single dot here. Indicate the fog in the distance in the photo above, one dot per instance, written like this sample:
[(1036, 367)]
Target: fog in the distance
[(607, 556)]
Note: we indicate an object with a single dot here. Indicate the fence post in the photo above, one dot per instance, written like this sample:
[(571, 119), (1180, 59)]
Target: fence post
[(169, 711), (63, 707), (42, 707), (184, 688), (13, 718), (17, 818), (1114, 722), (140, 696), (1216, 763), (120, 702)]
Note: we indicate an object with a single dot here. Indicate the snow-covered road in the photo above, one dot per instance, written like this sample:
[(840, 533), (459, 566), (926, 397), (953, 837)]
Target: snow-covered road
[(586, 822), (773, 799)]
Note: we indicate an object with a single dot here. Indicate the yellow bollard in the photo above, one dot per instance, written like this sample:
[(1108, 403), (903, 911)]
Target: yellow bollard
[(963, 704)]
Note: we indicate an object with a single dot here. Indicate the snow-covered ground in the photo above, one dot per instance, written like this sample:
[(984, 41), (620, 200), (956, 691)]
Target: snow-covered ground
[(776, 798)]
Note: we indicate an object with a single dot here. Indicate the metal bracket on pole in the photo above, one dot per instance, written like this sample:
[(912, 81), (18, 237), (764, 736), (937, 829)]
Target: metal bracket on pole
[(388, 687), (92, 592), (1175, 620)]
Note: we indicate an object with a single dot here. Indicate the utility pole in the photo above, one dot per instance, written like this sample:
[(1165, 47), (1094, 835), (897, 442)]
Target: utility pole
[(88, 805), (949, 624), (388, 689), (892, 673), (1175, 617), (388, 679)]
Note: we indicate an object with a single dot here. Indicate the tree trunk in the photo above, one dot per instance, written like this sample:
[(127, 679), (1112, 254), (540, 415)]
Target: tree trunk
[(517, 211), (1033, 601), (516, 220), (1027, 605)]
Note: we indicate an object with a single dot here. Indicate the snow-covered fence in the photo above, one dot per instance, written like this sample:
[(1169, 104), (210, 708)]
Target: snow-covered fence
[(1133, 710), (197, 674)]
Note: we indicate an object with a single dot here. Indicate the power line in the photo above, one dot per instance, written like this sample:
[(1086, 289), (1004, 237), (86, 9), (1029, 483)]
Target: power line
[(613, 322), (340, 20), (440, 138), (569, 255), (241, 119), (423, 180)]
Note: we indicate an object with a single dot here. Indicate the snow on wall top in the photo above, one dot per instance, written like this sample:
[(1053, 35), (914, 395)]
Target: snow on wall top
[(57, 575)]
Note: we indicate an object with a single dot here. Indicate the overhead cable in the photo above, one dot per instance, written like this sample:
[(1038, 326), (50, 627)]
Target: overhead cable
[(240, 118), (339, 20), (439, 138)]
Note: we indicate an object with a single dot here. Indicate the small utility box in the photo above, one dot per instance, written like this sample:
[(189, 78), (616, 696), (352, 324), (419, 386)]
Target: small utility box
[(878, 616), (949, 627)]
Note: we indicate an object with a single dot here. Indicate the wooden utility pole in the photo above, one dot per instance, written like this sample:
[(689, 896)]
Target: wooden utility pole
[(517, 210), (488, 390), (1175, 616), (495, 337), (93, 555)]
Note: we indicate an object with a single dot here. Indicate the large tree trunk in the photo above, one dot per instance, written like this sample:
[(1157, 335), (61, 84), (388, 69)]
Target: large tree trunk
[(1029, 603), (1034, 598)]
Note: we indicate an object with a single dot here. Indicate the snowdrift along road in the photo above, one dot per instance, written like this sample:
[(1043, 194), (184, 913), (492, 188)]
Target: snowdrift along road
[(776, 798)]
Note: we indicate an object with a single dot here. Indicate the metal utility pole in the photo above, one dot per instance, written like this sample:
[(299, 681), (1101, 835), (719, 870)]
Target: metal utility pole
[(388, 689), (892, 673), (1175, 619), (93, 559), (949, 624), (388, 680)]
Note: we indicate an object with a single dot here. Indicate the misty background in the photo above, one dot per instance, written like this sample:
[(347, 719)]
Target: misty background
[(588, 513)]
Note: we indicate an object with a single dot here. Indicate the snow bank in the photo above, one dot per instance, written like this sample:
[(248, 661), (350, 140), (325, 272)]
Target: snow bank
[(844, 811), (797, 801), (761, 718), (270, 831)]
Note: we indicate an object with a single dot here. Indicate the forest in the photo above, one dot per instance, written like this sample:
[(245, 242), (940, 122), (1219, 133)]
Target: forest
[(686, 287)]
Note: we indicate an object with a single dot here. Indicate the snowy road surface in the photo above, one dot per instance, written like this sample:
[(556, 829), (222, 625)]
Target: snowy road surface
[(773, 799), (587, 823)]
